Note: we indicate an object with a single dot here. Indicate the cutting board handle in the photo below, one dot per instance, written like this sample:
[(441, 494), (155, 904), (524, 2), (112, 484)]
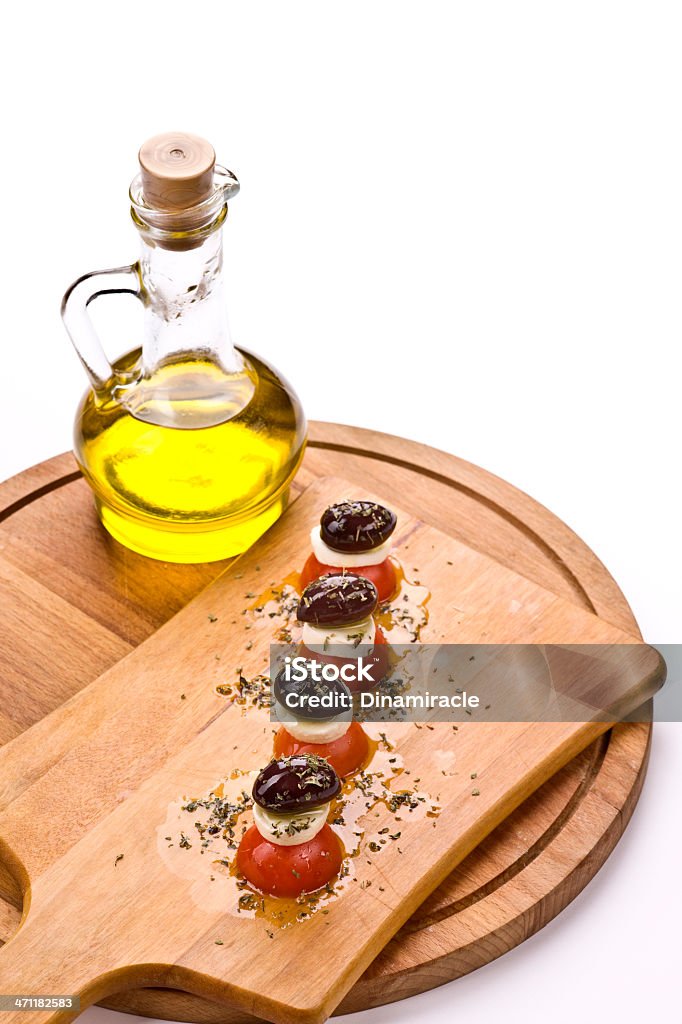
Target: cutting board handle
[(70, 971)]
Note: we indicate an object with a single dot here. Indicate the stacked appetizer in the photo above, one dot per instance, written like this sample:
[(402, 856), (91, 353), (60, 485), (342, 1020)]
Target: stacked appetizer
[(323, 731), (338, 628), (337, 611), (290, 849), (354, 535)]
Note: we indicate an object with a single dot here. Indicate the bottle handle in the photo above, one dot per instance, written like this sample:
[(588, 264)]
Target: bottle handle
[(119, 281)]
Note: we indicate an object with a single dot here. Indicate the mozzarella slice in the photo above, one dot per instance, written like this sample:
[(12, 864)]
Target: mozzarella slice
[(290, 829), (319, 731), (350, 636), (347, 559)]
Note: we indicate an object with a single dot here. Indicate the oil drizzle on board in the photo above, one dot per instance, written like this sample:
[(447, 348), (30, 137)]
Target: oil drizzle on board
[(199, 837), (403, 617)]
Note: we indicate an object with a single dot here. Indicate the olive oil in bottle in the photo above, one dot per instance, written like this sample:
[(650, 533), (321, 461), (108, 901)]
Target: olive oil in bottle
[(189, 444)]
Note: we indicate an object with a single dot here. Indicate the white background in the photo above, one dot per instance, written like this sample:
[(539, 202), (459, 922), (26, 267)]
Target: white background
[(459, 222)]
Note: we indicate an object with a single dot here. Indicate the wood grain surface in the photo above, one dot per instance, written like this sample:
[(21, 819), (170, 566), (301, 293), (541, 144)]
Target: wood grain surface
[(152, 730), (514, 881)]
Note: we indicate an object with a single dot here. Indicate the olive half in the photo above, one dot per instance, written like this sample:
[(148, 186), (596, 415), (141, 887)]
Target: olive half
[(337, 599), (296, 783), (356, 526)]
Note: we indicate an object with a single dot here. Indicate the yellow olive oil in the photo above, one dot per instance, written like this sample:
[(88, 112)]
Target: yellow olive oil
[(169, 486)]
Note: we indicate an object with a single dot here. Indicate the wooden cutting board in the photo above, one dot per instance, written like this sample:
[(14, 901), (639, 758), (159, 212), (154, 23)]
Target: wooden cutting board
[(70, 582), (109, 762)]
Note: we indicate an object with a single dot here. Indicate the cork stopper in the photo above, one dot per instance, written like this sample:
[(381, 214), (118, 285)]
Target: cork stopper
[(177, 171)]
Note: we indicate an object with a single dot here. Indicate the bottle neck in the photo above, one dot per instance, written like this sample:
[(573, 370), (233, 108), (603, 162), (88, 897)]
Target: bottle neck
[(185, 309), (190, 375)]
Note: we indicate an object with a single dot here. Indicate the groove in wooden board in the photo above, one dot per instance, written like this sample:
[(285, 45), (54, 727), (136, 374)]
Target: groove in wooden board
[(32, 484), (570, 738)]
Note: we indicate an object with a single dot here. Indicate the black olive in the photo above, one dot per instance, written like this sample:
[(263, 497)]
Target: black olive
[(296, 783), (337, 599), (336, 695), (356, 526)]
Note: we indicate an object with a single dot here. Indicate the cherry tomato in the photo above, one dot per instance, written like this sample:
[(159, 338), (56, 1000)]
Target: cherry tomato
[(289, 870), (378, 669), (346, 754), (383, 575)]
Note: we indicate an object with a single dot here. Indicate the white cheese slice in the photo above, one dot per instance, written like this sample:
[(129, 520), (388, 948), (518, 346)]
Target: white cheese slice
[(351, 636), (347, 559), (319, 731), (290, 829)]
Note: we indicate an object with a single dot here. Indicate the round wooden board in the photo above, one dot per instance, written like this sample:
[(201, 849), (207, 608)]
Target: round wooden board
[(522, 875)]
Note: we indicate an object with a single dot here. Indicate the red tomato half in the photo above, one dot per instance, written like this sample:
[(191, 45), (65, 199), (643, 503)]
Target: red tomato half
[(378, 670), (289, 870), (345, 755), (383, 575)]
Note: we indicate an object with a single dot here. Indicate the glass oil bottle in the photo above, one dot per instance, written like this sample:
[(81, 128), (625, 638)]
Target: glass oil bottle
[(188, 443)]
